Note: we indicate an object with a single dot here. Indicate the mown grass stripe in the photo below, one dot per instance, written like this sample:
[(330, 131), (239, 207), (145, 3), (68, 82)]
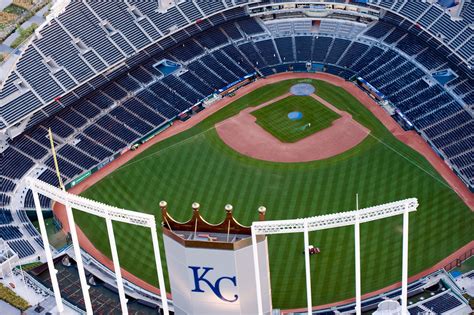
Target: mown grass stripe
[(197, 166)]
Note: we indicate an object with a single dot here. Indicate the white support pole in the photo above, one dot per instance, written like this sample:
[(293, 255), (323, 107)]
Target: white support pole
[(357, 260), (22, 274), (78, 257), (118, 271), (308, 268), (405, 262), (47, 250), (159, 269), (12, 274), (257, 272)]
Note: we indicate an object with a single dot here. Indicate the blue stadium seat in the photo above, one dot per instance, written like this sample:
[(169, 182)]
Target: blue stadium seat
[(443, 303), (5, 216), (10, 232), (22, 247)]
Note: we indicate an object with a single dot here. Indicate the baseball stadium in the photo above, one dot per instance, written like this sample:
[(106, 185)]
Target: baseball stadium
[(288, 157)]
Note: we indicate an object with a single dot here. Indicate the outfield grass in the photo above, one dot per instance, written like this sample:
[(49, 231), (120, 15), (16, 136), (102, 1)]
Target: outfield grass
[(57, 239), (197, 166), (274, 118)]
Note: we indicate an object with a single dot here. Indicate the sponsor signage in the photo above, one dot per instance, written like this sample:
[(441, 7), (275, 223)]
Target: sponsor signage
[(79, 179), (215, 281), (104, 163), (199, 278)]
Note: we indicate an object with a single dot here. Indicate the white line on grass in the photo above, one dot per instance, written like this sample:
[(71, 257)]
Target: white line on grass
[(160, 151), (213, 127), (412, 161)]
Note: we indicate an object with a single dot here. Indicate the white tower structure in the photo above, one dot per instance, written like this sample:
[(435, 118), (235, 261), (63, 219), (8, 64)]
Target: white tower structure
[(212, 265), (222, 268), (8, 259)]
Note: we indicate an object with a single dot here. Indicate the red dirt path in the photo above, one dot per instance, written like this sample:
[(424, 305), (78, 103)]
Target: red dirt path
[(410, 138), (245, 136), (422, 274)]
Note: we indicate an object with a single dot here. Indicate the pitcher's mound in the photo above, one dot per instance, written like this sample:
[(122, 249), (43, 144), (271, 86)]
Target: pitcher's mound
[(295, 115)]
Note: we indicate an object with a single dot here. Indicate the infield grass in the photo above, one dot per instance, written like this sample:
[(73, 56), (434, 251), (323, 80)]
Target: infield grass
[(196, 165), (274, 118)]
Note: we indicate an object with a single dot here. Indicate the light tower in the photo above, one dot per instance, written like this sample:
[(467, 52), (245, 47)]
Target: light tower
[(212, 265)]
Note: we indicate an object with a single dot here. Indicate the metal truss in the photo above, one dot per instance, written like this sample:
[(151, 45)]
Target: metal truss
[(335, 220), (110, 214), (90, 206)]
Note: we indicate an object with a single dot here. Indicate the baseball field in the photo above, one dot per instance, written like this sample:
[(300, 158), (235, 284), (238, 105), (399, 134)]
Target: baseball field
[(314, 117), (197, 165)]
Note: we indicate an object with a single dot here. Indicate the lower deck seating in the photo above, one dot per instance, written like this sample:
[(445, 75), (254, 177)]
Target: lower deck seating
[(67, 168), (45, 202), (128, 83), (9, 232), (30, 147), (216, 67), (443, 303), (114, 91), (173, 99), (252, 55), (235, 55), (104, 138), (86, 109), (144, 113), (120, 131), (303, 46), (14, 164), (50, 177), (39, 241), (93, 148), (4, 200), (22, 247), (6, 185), (23, 216), (31, 229), (143, 99), (196, 83), (5, 216), (79, 158), (175, 84), (130, 120), (72, 118), (285, 49), (153, 101), (201, 71), (141, 75), (234, 67), (58, 127)]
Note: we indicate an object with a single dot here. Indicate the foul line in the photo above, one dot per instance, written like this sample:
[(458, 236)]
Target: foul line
[(411, 161), (213, 127), (403, 156), (160, 151)]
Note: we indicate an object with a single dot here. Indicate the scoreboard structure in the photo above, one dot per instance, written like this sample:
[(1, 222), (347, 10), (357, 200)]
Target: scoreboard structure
[(212, 265)]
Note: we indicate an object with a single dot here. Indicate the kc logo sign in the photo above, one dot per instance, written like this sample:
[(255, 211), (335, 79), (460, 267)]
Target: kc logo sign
[(199, 276)]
